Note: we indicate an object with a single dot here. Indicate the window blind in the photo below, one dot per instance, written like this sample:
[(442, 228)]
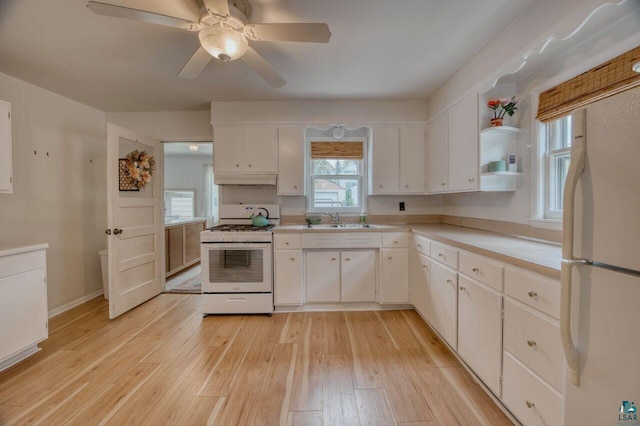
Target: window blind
[(342, 150), (607, 79)]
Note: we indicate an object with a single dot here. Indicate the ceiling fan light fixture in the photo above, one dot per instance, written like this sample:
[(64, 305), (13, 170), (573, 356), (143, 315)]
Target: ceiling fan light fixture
[(223, 43)]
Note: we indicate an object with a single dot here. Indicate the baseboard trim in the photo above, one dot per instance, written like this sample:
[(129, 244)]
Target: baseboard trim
[(340, 307), (60, 309)]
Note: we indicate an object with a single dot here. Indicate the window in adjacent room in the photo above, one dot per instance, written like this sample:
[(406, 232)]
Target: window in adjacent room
[(556, 155), (179, 203), (336, 173)]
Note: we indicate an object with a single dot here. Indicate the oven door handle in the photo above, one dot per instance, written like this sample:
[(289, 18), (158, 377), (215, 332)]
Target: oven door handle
[(232, 246)]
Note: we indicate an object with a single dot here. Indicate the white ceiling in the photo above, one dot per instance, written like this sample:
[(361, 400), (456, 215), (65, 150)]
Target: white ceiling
[(379, 49)]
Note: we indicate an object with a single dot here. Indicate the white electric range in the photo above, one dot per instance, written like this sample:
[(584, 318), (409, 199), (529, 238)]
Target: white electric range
[(237, 265)]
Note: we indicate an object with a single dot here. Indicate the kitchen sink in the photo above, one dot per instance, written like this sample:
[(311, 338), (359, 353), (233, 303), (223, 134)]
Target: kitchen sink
[(341, 226)]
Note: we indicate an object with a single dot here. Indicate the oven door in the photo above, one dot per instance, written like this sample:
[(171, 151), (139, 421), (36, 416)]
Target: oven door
[(236, 268)]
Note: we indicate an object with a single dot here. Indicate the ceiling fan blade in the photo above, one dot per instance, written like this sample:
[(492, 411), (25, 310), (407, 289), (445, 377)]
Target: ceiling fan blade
[(310, 33), (262, 67), (218, 8), (141, 15), (195, 64)]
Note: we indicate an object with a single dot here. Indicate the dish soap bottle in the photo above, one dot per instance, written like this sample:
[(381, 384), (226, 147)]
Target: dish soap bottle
[(363, 216)]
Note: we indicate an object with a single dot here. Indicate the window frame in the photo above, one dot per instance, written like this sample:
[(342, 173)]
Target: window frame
[(549, 170), (191, 190), (361, 177)]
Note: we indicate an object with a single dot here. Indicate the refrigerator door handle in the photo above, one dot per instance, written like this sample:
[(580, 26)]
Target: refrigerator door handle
[(569, 347), (576, 166)]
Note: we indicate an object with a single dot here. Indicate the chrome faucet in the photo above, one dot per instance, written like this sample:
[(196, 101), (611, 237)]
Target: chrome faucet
[(334, 217)]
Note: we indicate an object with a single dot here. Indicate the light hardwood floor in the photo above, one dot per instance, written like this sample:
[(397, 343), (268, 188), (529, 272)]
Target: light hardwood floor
[(163, 363)]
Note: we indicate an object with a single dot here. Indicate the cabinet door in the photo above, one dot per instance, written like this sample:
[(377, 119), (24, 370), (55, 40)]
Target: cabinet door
[(420, 283), (260, 149), (385, 160), (394, 283), (322, 276), (291, 161), (464, 145), (412, 160), (228, 149), (6, 181), (437, 165), (176, 248), (358, 276), (480, 330), (443, 303), (288, 277), (192, 241)]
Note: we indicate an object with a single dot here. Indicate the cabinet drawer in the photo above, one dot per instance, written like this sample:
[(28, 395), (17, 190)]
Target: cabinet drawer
[(286, 241), (531, 400), (395, 239), (445, 254), (421, 244), (258, 303), (534, 340), (340, 240), (481, 269), (533, 289)]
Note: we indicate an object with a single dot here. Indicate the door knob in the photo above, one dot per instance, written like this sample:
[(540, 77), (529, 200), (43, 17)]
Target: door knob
[(532, 293), (531, 343), (530, 404), (475, 269), (117, 231), (107, 231)]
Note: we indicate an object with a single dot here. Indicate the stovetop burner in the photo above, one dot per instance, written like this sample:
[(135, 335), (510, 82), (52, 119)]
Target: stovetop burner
[(241, 228)]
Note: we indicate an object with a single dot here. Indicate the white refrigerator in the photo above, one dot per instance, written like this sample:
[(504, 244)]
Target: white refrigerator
[(600, 292)]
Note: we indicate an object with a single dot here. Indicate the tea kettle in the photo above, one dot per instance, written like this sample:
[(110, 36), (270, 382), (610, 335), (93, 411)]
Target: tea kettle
[(259, 220)]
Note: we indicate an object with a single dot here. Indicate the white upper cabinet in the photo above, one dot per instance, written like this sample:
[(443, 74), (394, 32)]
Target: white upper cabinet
[(245, 149), (291, 160), (464, 145), (437, 153), (6, 179), (397, 160)]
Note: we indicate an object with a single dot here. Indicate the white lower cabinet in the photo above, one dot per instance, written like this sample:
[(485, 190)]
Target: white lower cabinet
[(530, 399), (288, 277), (443, 302), (480, 330), (358, 276), (394, 285), (322, 276)]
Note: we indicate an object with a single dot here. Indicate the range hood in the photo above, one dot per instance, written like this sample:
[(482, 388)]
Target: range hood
[(244, 179)]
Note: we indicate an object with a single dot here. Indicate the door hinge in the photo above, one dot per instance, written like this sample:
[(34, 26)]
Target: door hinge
[(500, 380), (10, 179), (46, 325), (9, 115), (45, 279), (501, 313)]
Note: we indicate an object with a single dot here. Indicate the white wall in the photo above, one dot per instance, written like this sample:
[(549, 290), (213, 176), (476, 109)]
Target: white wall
[(59, 198), (542, 21), (187, 172)]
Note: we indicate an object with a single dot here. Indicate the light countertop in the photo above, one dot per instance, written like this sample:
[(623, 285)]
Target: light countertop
[(183, 221), (535, 255), (10, 249)]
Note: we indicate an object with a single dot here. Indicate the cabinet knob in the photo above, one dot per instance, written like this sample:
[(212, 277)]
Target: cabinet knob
[(406, 186), (292, 259), (249, 164), (474, 269), (395, 241), (347, 259), (472, 179), (443, 183), (531, 343), (449, 281), (425, 267), (440, 255), (419, 245), (295, 186), (286, 243), (333, 259), (532, 293), (462, 288), (390, 257), (380, 186), (237, 165), (530, 404)]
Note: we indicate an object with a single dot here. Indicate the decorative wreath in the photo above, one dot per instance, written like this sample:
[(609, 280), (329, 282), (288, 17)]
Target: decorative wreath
[(140, 168)]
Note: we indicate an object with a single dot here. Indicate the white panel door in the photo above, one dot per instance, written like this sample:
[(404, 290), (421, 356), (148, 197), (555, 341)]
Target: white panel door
[(322, 276), (385, 162), (464, 145), (607, 196), (6, 179), (136, 223), (358, 276), (437, 164), (412, 160)]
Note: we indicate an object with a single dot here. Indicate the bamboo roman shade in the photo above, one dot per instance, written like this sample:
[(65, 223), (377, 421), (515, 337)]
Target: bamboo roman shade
[(605, 80), (343, 150)]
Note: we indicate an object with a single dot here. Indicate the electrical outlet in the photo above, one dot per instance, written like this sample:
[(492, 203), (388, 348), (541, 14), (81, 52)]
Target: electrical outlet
[(401, 206)]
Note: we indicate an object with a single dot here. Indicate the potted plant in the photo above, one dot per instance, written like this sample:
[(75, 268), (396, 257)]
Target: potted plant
[(502, 107)]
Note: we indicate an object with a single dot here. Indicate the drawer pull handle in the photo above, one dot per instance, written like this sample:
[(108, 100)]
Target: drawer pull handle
[(472, 179), (236, 299), (475, 269), (425, 267), (292, 259), (443, 183), (440, 255), (390, 258), (530, 404), (395, 241), (449, 281), (419, 245), (348, 259), (531, 343), (406, 186), (333, 259), (532, 293), (286, 243), (295, 186)]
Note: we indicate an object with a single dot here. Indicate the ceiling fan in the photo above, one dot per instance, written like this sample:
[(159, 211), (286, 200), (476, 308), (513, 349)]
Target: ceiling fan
[(224, 34)]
